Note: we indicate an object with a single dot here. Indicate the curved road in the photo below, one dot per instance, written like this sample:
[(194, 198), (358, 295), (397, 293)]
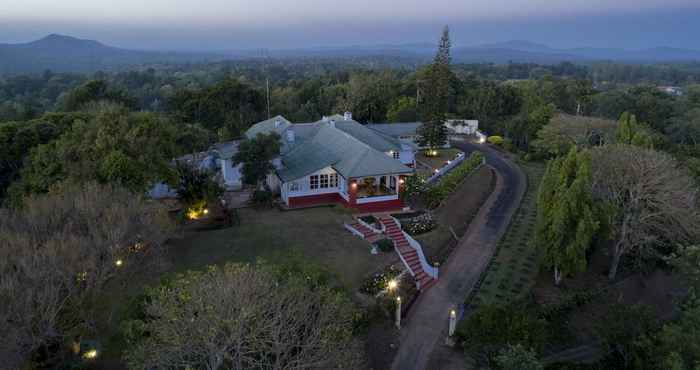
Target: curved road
[(426, 324)]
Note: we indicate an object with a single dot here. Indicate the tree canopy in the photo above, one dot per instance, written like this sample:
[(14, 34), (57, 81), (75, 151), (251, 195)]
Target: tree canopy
[(244, 317)]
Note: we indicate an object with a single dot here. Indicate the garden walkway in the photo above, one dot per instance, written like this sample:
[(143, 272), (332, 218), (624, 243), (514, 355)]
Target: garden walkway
[(426, 324)]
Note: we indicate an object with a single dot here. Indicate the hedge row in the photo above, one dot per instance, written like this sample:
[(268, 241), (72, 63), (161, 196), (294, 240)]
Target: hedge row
[(435, 194)]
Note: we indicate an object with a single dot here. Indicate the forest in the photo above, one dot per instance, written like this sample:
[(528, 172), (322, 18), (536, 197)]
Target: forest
[(77, 147)]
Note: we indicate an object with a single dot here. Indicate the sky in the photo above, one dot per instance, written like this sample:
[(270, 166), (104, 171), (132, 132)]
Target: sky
[(277, 24)]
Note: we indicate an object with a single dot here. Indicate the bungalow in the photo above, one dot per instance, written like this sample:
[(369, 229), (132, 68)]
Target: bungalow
[(338, 160)]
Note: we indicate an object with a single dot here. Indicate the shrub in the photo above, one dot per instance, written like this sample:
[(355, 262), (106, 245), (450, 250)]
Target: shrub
[(449, 183), (385, 245), (418, 224), (491, 328), (495, 140), (262, 198), (379, 281)]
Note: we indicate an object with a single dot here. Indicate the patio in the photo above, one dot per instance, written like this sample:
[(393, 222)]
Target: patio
[(377, 186)]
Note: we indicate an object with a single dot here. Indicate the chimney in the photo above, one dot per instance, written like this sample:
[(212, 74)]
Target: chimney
[(332, 123), (290, 136), (347, 116), (278, 122)]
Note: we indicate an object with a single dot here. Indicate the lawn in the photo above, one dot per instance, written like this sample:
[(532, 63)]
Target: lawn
[(516, 263), (315, 234), (457, 212), (426, 166)]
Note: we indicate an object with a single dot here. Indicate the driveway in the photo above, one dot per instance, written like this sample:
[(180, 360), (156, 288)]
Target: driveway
[(426, 324)]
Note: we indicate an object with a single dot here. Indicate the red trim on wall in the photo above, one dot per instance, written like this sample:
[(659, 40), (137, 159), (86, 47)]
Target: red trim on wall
[(313, 200)]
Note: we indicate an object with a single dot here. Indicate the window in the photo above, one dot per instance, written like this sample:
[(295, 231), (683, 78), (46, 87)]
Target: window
[(333, 179), (324, 181), (313, 182), (294, 186), (396, 155)]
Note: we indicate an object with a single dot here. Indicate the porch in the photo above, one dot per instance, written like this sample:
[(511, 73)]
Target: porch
[(376, 188)]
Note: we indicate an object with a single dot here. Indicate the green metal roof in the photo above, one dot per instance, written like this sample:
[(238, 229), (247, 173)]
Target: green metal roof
[(276, 124), (337, 148)]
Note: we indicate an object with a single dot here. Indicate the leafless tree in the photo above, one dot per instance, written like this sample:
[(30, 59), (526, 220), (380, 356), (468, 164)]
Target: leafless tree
[(57, 254), (240, 317), (653, 200)]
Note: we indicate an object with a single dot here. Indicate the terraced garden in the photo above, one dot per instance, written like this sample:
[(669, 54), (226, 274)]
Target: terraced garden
[(515, 265)]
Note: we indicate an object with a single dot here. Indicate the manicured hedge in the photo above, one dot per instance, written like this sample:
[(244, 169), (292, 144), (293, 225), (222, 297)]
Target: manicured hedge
[(435, 194)]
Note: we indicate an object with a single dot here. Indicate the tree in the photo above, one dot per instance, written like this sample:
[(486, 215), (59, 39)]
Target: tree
[(686, 260), (229, 106), (112, 146), (257, 154), (243, 317), (403, 110), (196, 188), (95, 91), (492, 328), (629, 132), (652, 200), (564, 132), (518, 358), (58, 253), (443, 55), (622, 326), (436, 91), (566, 217)]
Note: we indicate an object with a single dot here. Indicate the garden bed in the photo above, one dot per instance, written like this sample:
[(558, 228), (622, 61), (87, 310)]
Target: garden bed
[(514, 266)]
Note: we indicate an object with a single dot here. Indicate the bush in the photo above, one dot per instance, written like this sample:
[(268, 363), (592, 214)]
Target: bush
[(495, 140), (419, 224), (492, 328), (379, 281), (262, 198), (449, 183), (385, 245)]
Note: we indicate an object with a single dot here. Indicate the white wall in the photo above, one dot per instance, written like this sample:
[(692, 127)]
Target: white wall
[(305, 185), (232, 175), (466, 127)]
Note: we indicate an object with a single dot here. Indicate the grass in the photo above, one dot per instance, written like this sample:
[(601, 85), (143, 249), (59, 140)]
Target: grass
[(515, 265), (457, 212), (434, 162), (316, 234)]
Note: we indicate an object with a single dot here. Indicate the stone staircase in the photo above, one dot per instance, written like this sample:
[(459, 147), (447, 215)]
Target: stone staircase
[(408, 254)]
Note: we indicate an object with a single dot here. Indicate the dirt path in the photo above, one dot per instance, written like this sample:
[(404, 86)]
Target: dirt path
[(426, 324)]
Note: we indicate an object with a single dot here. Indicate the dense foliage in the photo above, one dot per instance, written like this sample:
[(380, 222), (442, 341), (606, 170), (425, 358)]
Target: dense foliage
[(57, 255), (447, 184), (567, 221)]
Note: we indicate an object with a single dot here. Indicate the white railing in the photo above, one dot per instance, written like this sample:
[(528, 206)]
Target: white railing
[(359, 220), (430, 270), (377, 199), (353, 231), (453, 163)]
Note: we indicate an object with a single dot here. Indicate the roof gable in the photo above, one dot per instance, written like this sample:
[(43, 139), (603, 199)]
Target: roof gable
[(276, 124)]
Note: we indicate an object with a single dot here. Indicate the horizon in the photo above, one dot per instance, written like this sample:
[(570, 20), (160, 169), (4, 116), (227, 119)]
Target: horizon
[(222, 26)]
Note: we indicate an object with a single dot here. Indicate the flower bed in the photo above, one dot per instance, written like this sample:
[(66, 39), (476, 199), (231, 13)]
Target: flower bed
[(379, 281), (435, 194), (418, 223)]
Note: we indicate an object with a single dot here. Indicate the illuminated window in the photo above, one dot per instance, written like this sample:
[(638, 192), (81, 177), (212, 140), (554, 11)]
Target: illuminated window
[(294, 186), (313, 182)]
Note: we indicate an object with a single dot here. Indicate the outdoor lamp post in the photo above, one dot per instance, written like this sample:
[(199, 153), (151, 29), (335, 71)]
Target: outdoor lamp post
[(453, 322), (398, 313)]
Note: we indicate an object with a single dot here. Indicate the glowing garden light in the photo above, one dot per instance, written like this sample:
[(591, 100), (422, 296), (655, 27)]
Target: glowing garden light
[(91, 354), (119, 263), (393, 284)]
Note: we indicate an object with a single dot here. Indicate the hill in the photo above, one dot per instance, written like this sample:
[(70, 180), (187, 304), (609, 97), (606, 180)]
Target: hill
[(68, 54)]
